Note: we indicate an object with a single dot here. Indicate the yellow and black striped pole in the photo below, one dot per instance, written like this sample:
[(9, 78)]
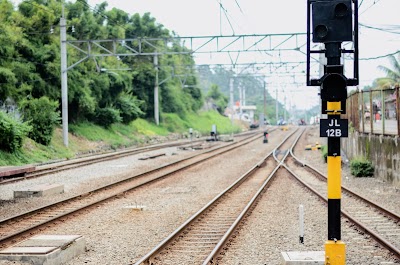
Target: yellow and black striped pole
[(333, 22), (335, 249)]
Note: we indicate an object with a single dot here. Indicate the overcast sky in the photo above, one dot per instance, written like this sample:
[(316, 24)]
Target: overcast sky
[(206, 18)]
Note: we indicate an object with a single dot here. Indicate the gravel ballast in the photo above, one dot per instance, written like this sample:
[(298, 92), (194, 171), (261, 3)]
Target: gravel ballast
[(116, 235)]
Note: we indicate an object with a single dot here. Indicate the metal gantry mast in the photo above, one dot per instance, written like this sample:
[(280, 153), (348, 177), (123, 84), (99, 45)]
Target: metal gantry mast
[(266, 44)]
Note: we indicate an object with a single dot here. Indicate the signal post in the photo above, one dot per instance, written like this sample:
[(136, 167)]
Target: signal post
[(333, 22)]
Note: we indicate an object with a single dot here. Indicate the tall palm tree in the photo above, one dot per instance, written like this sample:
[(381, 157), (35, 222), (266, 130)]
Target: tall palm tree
[(392, 74)]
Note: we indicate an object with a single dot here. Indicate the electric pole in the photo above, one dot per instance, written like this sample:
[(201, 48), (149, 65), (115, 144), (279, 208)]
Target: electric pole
[(156, 103), (64, 77), (276, 105)]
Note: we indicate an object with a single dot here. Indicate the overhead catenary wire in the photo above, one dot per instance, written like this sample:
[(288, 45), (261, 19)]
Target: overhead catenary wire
[(221, 6), (37, 6), (374, 3), (102, 14), (237, 3), (23, 60), (380, 56), (379, 28), (32, 81)]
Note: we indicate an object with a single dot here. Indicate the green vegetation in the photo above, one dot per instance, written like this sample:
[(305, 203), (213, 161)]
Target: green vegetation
[(106, 109), (12, 133), (217, 98), (87, 137), (361, 167), (30, 64), (220, 77), (43, 116), (324, 151), (392, 78)]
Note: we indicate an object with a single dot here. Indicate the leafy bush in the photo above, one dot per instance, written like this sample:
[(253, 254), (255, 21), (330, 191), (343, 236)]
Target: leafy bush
[(12, 133), (219, 99), (42, 115), (107, 116), (361, 167), (324, 150), (129, 107)]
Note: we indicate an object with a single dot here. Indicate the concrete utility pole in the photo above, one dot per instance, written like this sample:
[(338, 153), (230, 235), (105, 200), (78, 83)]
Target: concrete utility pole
[(284, 108), (244, 96), (64, 77), (156, 107), (276, 105), (240, 100), (265, 99), (232, 104)]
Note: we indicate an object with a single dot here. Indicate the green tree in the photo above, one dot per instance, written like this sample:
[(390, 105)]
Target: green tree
[(392, 74), (43, 116), (12, 133), (220, 101), (30, 62)]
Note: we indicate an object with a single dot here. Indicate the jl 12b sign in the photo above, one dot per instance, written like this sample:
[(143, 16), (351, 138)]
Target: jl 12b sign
[(334, 128)]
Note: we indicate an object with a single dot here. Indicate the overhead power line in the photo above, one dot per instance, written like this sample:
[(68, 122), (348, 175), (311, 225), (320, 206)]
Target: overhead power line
[(23, 60), (374, 3), (379, 57), (237, 3), (221, 6), (381, 29), (37, 6), (101, 13), (32, 81)]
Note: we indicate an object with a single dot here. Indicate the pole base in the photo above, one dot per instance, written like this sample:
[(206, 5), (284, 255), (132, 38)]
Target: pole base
[(335, 253)]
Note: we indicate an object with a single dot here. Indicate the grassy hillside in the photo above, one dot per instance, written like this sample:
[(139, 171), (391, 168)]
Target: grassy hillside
[(87, 137)]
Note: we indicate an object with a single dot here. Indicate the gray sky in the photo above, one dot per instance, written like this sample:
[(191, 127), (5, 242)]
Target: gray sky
[(203, 17)]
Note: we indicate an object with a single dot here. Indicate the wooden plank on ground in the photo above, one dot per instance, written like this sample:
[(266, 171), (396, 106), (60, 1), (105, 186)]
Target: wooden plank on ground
[(16, 171), (151, 156)]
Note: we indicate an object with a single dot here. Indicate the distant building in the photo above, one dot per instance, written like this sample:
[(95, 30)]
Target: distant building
[(245, 113)]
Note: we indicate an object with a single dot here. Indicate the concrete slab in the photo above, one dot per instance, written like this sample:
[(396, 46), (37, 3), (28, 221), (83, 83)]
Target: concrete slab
[(46, 249), (39, 191), (303, 257)]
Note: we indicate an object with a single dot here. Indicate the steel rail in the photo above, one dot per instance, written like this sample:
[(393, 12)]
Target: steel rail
[(86, 160), (98, 158), (344, 213), (11, 237), (385, 211), (229, 233), (147, 259), (388, 245)]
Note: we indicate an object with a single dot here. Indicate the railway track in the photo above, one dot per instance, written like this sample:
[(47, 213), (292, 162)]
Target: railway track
[(206, 236), (49, 168), (203, 235), (381, 224), (19, 227)]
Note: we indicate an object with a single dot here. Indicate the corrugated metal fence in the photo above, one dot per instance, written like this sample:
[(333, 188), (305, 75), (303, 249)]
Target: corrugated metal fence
[(374, 111)]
